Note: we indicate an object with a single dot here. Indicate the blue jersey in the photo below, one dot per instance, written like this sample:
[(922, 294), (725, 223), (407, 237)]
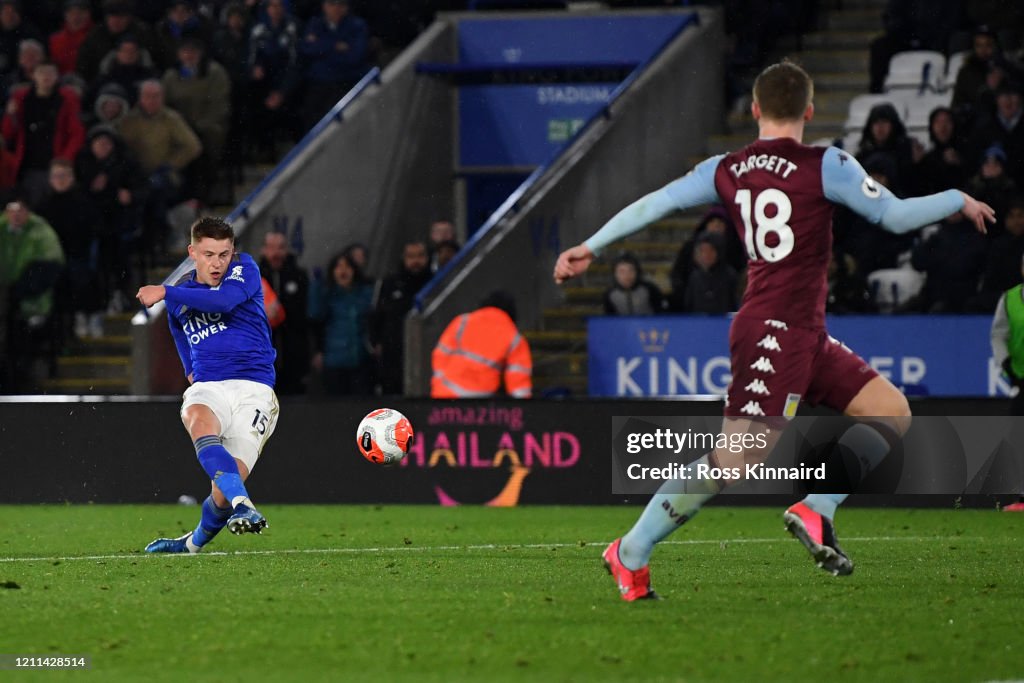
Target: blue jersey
[(222, 332)]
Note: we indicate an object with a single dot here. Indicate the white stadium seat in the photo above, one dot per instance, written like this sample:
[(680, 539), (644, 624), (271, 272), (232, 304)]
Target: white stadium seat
[(916, 70), (851, 141), (894, 287), (921, 107), (953, 68), (861, 105)]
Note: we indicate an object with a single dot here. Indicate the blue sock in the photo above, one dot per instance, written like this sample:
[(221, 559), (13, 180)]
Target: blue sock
[(212, 521), (674, 503), (221, 468)]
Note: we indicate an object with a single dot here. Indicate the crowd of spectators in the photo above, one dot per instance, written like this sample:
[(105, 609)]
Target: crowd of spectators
[(343, 331), (116, 112)]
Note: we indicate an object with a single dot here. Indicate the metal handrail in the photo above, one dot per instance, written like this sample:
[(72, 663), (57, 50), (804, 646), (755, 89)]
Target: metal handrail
[(513, 199), (335, 114)]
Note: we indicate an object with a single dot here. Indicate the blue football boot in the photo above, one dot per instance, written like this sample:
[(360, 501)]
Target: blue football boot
[(170, 545), (246, 520)]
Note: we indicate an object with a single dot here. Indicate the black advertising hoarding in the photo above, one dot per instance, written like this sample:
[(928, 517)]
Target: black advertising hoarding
[(499, 452)]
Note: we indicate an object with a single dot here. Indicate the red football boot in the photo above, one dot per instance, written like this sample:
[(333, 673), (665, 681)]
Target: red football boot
[(819, 537), (633, 585)]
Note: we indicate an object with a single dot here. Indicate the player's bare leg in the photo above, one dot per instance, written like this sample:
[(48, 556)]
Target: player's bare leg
[(884, 417), (676, 502)]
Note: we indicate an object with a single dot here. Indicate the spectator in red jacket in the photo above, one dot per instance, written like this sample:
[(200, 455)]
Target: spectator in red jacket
[(64, 43), (41, 124)]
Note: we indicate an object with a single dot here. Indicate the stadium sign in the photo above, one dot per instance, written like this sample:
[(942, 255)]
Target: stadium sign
[(689, 355)]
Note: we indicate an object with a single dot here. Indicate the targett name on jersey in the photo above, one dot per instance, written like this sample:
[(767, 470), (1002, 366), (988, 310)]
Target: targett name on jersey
[(764, 162)]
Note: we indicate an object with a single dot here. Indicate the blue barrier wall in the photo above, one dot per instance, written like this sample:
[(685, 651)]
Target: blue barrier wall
[(684, 355)]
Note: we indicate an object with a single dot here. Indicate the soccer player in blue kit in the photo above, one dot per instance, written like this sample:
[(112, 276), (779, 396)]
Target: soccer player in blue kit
[(220, 328)]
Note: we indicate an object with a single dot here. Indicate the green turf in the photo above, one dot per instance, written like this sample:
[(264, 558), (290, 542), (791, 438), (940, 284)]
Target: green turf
[(938, 598)]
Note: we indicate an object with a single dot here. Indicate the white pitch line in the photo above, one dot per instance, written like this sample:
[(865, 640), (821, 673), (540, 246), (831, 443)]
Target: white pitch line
[(433, 548)]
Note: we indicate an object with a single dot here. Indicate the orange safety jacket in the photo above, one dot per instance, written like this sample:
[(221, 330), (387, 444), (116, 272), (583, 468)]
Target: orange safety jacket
[(272, 305), (476, 351)]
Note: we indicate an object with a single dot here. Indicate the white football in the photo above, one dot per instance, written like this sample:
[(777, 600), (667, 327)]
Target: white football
[(384, 436)]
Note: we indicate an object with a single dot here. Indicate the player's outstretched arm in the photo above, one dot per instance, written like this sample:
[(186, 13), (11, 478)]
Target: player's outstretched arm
[(845, 182), (979, 213), (694, 189), (573, 262)]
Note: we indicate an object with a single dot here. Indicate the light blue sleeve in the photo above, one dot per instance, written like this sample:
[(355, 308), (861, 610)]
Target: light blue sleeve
[(845, 182), (694, 189)]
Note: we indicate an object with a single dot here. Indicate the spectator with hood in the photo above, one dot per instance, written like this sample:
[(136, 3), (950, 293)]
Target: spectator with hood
[(715, 221), (942, 166), (630, 293), (711, 288), (884, 133), (118, 20)]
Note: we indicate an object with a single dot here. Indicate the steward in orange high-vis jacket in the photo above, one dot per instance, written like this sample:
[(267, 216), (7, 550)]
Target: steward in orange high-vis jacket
[(480, 349)]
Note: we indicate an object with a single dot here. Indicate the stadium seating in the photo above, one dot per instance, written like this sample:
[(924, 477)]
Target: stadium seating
[(892, 288), (916, 70), (861, 106), (956, 61)]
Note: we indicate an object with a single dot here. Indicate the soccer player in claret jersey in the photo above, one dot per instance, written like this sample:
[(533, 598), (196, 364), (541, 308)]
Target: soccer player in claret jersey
[(780, 195), (221, 331)]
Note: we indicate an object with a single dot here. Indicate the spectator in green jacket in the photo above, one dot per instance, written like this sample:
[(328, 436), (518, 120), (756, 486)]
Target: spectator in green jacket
[(31, 261)]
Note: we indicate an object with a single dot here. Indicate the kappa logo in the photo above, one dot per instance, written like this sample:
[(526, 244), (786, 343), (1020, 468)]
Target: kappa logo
[(752, 408), (236, 274), (762, 364), (769, 343), (777, 324), (758, 387)]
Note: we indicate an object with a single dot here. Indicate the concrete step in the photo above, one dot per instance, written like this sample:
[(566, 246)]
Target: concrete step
[(841, 40), (576, 385), (107, 345), (834, 102), (856, 19), (570, 317), (557, 340), (584, 295), (554, 365), (826, 80), (642, 249), (826, 59), (105, 386), (94, 367)]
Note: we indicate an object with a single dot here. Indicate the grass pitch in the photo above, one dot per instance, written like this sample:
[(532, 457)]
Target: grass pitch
[(421, 593)]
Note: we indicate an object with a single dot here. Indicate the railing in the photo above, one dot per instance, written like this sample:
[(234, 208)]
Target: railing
[(242, 211)]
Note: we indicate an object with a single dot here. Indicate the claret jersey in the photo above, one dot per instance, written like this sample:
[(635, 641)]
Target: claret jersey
[(780, 195)]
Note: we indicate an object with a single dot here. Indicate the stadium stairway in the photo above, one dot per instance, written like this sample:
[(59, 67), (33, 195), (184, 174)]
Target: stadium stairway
[(836, 56)]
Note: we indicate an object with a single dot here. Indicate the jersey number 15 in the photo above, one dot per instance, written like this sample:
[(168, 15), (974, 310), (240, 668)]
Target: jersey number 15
[(756, 236)]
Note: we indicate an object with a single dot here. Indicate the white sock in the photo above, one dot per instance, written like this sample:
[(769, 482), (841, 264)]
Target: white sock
[(673, 504), (238, 500), (192, 547)]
